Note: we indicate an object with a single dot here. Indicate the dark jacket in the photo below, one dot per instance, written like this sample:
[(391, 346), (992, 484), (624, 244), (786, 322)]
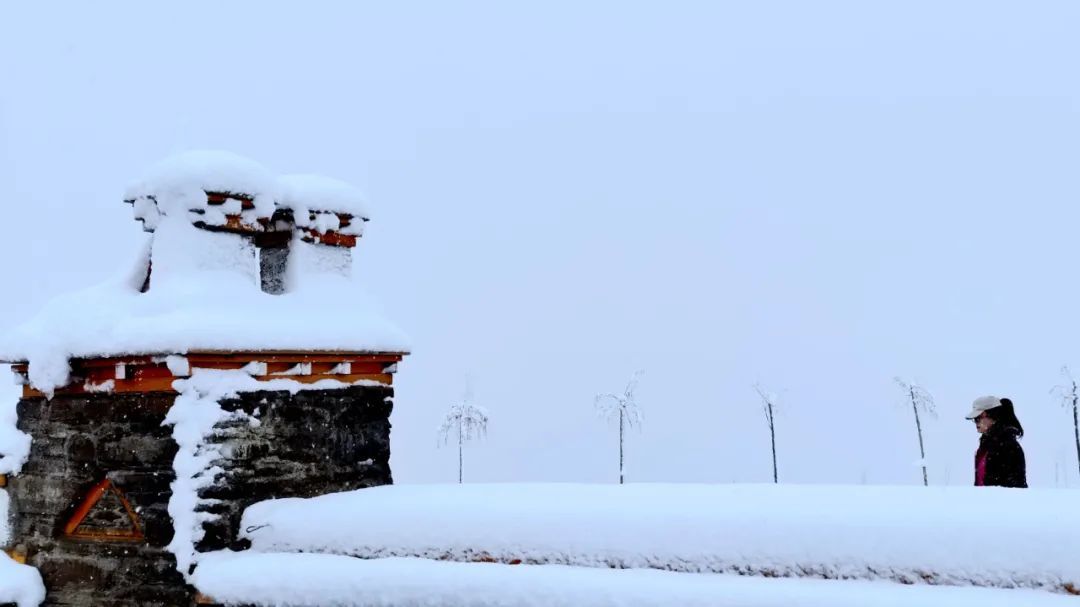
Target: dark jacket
[(1005, 464)]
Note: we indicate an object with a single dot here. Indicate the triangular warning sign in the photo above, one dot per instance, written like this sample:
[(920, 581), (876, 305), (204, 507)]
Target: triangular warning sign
[(104, 515)]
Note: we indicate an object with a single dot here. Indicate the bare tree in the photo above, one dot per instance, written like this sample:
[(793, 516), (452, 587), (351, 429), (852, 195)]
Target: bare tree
[(1070, 398), (768, 404), (469, 421), (919, 399), (625, 408)]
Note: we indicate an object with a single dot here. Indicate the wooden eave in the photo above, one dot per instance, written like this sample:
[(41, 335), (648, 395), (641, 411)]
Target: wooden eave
[(144, 374), (331, 238), (334, 238), (218, 198)]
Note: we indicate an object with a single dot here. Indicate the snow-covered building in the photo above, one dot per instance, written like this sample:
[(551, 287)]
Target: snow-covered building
[(238, 360), (166, 413)]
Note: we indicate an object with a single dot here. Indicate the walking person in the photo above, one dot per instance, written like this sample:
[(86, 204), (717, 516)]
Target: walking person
[(999, 461)]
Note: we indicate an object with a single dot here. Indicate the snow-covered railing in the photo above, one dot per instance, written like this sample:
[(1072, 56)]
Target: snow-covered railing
[(954, 536)]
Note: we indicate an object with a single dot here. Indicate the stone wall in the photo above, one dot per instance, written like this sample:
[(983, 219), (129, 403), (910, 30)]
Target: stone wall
[(77, 442), (306, 444)]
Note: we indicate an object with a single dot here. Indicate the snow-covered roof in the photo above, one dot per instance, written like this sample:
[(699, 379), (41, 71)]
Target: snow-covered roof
[(309, 580), (210, 170), (653, 544), (205, 286), (906, 534), (306, 193), (179, 184), (204, 298)]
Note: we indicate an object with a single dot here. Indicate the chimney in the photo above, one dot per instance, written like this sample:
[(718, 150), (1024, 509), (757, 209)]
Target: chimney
[(125, 393)]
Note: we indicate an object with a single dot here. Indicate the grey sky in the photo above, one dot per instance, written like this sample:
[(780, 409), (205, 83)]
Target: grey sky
[(817, 196)]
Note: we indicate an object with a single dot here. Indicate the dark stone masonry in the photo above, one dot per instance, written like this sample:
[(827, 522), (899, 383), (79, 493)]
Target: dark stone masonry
[(102, 552), (307, 444)]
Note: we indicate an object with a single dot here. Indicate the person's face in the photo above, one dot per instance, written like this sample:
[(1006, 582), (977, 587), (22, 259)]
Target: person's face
[(983, 422)]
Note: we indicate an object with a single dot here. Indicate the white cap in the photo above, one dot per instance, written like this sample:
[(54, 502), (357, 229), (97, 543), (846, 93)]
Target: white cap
[(983, 403)]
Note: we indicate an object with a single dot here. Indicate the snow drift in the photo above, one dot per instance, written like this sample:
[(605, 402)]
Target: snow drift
[(14, 444), (20, 584), (955, 536), (310, 580)]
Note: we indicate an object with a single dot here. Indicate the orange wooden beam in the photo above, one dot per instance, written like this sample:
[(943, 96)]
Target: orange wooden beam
[(71, 529), (151, 374), (165, 384), (17, 554), (334, 239)]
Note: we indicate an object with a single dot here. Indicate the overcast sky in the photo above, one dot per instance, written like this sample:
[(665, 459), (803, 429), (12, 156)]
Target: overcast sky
[(817, 196)]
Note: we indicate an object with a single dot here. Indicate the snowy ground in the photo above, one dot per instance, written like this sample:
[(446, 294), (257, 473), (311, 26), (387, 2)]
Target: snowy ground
[(328, 580), (962, 536)]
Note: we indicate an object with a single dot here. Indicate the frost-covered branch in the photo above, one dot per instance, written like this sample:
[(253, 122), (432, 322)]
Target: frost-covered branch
[(468, 421), (1069, 394)]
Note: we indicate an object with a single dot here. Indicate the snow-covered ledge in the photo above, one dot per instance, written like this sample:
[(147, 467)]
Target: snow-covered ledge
[(20, 584), (912, 535), (208, 437), (318, 580)]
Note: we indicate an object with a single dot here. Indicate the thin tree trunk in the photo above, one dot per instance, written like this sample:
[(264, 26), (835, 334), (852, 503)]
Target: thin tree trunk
[(918, 428), (620, 446), (772, 435), (1076, 424), (460, 457)]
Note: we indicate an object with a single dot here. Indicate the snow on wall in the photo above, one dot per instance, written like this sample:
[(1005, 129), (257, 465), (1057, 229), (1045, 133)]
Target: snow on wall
[(20, 584), (194, 416), (182, 253), (963, 536), (322, 580), (309, 262), (5, 522), (14, 444)]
